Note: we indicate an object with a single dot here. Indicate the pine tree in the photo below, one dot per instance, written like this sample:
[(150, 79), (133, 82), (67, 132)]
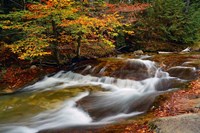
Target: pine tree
[(170, 20)]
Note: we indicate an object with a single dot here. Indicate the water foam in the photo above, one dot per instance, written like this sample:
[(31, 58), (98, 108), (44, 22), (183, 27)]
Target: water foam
[(67, 115), (122, 98)]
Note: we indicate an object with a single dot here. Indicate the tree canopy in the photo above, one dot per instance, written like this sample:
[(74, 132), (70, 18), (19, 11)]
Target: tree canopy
[(61, 28), (44, 29)]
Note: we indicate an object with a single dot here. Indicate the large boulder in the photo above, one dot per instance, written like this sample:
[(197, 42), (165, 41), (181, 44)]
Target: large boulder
[(187, 123)]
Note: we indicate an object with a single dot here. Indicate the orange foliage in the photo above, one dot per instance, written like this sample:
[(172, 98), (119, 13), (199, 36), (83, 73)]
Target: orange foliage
[(137, 128), (130, 10), (48, 4), (18, 77), (180, 102), (138, 7), (13, 76), (37, 7), (92, 22), (134, 127), (60, 3)]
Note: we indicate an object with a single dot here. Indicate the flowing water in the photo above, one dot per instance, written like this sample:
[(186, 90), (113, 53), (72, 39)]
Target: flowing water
[(91, 94)]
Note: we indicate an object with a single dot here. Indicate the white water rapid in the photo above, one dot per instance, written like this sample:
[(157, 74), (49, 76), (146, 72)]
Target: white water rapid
[(119, 98)]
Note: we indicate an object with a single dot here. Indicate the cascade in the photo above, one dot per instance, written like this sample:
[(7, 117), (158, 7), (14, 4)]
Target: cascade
[(129, 90)]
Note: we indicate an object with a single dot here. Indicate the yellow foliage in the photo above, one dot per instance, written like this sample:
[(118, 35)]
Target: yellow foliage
[(107, 20), (29, 48), (37, 30), (61, 3)]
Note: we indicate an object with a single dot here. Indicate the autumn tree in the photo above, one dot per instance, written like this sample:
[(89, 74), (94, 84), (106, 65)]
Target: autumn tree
[(87, 31), (34, 31), (45, 28)]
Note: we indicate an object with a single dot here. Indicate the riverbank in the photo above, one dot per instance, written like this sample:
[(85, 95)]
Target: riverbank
[(14, 78)]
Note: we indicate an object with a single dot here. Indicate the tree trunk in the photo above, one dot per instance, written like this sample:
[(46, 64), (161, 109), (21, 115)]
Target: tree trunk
[(187, 6), (78, 50), (55, 46), (6, 6)]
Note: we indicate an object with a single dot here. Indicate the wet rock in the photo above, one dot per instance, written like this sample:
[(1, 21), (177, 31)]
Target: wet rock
[(168, 83), (136, 70), (188, 49), (138, 52), (187, 73), (103, 106), (187, 123), (33, 67), (192, 63), (164, 52)]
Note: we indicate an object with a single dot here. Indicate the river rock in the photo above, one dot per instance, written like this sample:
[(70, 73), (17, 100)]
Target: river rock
[(188, 49), (138, 52), (33, 67), (187, 123), (104, 105), (182, 72), (164, 52)]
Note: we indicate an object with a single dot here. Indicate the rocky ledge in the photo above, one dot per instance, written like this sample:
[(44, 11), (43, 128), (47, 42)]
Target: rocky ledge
[(186, 123), (180, 113)]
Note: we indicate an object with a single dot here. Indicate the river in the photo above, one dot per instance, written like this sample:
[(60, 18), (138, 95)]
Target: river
[(95, 92)]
